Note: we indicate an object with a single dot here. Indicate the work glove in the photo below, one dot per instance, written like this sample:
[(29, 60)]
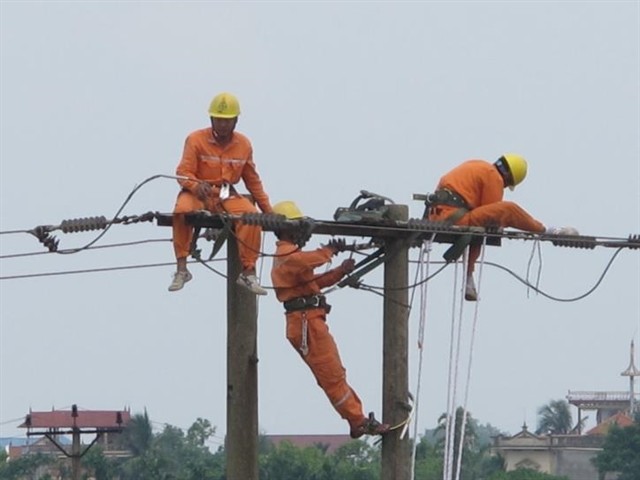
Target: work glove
[(348, 265), (203, 191), (561, 231), (337, 245)]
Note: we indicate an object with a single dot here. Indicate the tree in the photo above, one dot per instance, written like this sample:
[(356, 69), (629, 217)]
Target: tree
[(554, 418), (26, 466), (138, 434), (621, 452), (524, 474), (200, 432), (286, 462), (428, 459), (469, 440), (96, 462)]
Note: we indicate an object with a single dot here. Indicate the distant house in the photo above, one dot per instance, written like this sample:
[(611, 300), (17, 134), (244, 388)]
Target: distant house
[(17, 447), (562, 455), (571, 455)]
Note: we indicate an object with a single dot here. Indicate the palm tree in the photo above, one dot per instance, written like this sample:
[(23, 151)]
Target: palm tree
[(554, 418), (138, 434)]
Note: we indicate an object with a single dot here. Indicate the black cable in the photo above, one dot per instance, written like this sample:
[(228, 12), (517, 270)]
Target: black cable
[(557, 299), (8, 232), (417, 284), (112, 245), (94, 270), (365, 287), (525, 282)]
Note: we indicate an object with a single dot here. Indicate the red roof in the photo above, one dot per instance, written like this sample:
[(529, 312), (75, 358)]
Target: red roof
[(620, 418), (83, 419)]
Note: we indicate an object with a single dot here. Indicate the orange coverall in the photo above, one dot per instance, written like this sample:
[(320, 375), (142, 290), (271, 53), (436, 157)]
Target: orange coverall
[(292, 276), (204, 159), (480, 184)]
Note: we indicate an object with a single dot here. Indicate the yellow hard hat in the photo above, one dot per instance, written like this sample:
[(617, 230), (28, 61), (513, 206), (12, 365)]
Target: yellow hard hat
[(289, 209), (517, 166), (224, 105)]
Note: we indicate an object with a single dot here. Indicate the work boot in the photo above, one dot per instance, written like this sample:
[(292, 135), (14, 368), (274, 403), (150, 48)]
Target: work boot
[(179, 279), (250, 282), (369, 426), (470, 293)]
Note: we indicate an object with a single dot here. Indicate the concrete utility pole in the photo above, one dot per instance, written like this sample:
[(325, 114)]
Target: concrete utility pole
[(242, 374), (396, 454)]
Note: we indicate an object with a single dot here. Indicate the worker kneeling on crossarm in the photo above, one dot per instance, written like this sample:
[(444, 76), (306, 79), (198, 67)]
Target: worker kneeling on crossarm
[(472, 194)]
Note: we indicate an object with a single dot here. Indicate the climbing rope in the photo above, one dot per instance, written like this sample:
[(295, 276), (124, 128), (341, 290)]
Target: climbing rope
[(423, 270), (452, 379), (470, 363)]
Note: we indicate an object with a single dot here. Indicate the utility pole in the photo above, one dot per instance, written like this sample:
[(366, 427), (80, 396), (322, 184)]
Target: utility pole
[(242, 374), (396, 463), (242, 393), (75, 454)]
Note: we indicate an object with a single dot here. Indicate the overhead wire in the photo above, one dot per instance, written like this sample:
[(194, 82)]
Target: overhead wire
[(101, 270), (365, 287), (370, 288), (95, 247)]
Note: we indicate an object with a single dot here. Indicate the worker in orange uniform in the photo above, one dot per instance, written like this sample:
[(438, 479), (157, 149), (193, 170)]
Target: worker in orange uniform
[(299, 289), (471, 194), (213, 161)]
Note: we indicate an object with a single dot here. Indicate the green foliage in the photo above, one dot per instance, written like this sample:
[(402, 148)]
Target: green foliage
[(23, 467), (138, 435), (554, 417), (200, 432), (101, 467), (524, 474), (621, 452)]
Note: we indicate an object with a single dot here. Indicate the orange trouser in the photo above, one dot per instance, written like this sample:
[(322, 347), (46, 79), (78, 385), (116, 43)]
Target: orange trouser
[(498, 214), (324, 361), (248, 236)]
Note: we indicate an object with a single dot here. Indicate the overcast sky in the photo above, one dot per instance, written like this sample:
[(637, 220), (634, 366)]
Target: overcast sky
[(336, 97)]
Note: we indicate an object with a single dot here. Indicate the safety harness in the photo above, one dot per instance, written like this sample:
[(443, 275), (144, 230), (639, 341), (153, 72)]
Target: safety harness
[(444, 196), (307, 303)]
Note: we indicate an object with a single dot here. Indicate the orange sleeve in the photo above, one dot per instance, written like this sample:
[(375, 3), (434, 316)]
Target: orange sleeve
[(292, 274), (188, 166), (330, 277), (253, 183)]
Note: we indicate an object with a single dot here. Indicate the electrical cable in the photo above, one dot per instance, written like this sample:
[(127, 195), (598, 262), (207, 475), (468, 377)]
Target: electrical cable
[(558, 299), (99, 270), (95, 247), (365, 287), (525, 282)]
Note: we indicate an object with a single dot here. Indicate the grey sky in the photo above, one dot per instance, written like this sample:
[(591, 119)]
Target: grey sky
[(336, 97)]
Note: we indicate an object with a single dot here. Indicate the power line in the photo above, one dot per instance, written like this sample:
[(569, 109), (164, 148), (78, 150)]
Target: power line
[(95, 247), (105, 269)]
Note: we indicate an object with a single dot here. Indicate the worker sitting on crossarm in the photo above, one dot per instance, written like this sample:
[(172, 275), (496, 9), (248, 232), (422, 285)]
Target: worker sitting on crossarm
[(214, 160), (471, 194), (299, 289)]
